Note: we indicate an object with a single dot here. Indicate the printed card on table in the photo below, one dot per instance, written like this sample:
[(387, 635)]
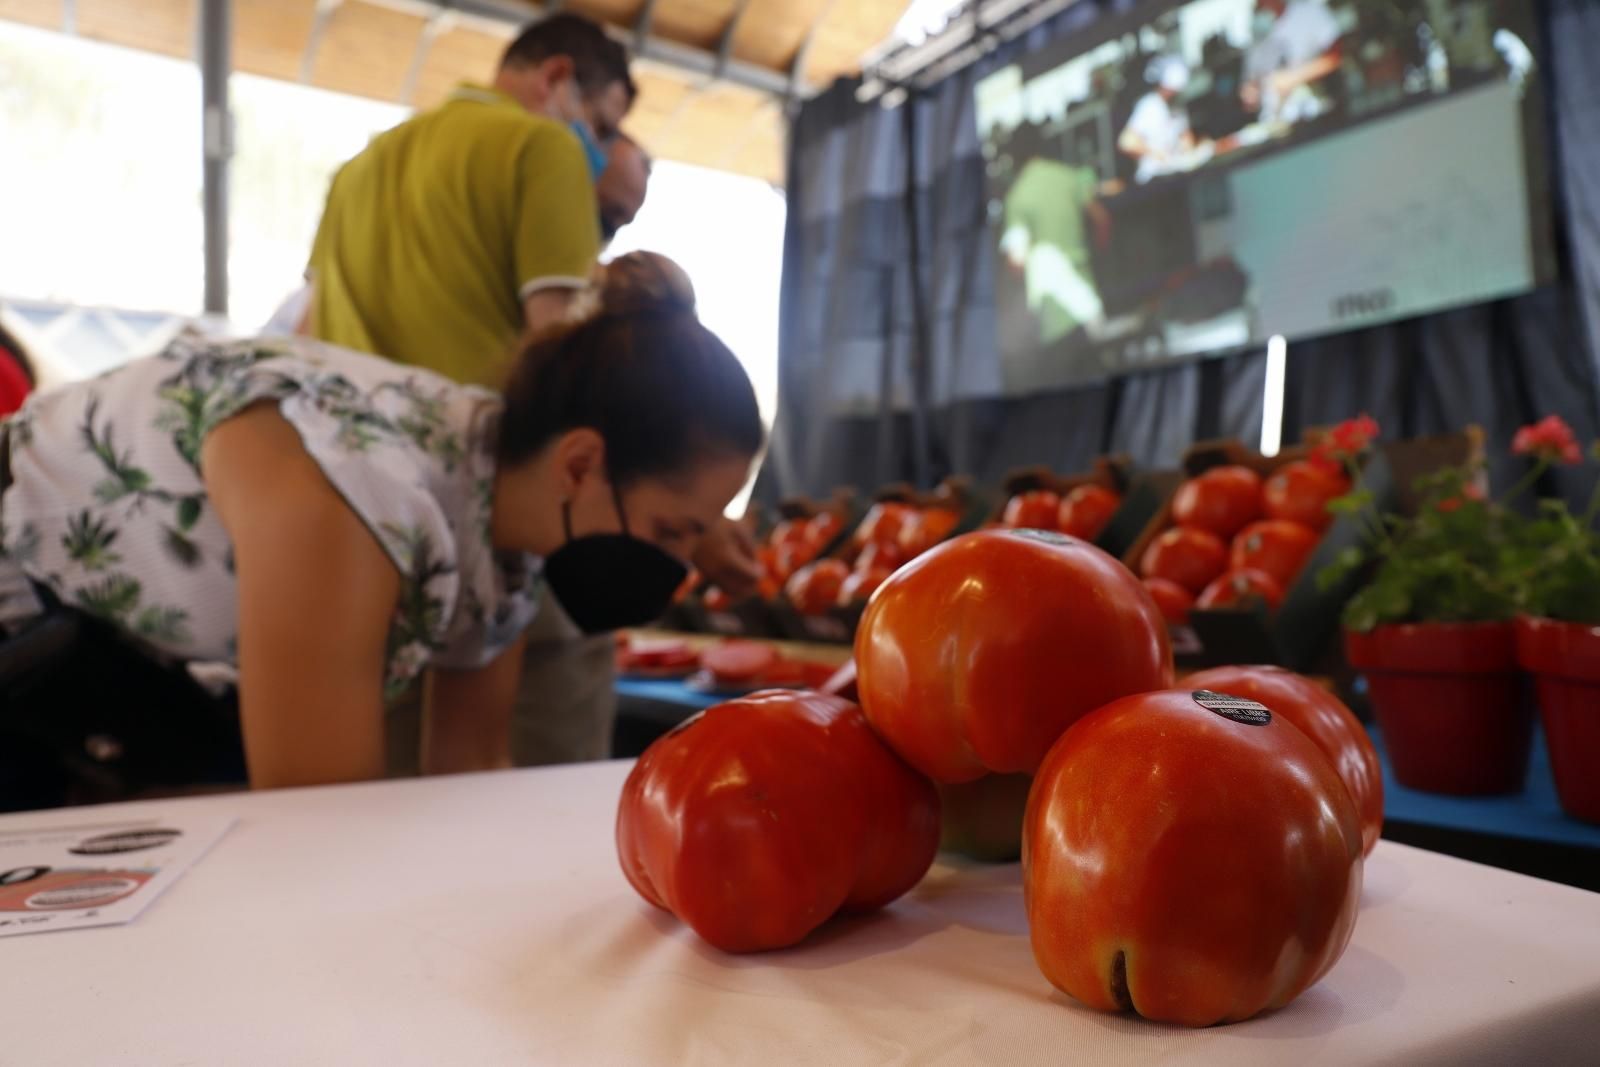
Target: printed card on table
[(60, 873)]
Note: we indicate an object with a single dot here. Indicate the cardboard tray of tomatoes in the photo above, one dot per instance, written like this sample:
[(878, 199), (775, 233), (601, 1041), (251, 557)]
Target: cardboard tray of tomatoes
[(1263, 603), (1109, 505), (824, 601), (805, 530)]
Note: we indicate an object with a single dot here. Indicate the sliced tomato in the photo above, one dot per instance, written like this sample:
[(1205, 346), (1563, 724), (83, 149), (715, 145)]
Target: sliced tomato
[(739, 661)]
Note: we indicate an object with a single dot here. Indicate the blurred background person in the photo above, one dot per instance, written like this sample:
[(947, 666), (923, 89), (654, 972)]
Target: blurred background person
[(1157, 133), (471, 225), (622, 185), (1051, 214), (1296, 52), (335, 525)]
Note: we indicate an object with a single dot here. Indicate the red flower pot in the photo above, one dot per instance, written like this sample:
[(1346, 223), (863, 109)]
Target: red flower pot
[(1564, 658), (1448, 697)]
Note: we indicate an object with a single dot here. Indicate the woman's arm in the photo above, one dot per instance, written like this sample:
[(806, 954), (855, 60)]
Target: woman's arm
[(316, 596), (466, 718)]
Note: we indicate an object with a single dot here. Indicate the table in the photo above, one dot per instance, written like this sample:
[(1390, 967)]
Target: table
[(482, 919)]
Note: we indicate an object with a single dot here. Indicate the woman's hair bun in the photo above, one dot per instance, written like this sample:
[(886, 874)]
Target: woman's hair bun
[(643, 283)]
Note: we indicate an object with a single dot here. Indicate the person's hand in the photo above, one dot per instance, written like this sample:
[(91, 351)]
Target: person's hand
[(727, 557), (1250, 96), (1099, 224)]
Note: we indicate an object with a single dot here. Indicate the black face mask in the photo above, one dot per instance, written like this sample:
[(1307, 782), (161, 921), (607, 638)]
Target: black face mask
[(611, 581)]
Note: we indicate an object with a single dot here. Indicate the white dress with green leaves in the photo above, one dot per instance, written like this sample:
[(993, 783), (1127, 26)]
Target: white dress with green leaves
[(107, 509)]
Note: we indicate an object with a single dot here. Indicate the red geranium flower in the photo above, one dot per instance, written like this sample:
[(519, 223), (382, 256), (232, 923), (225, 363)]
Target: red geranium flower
[(1352, 436), (1550, 439), (1344, 442), (1453, 503)]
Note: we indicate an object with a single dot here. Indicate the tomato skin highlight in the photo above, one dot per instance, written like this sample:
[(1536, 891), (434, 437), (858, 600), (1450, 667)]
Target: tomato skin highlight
[(1275, 547), (1189, 867), (759, 819), (1086, 511), (815, 587), (1190, 558), (1300, 491), (1223, 501), (1321, 716), (976, 656), (1037, 509), (1241, 589)]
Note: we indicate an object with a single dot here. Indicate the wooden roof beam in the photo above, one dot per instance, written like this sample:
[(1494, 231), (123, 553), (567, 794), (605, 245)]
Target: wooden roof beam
[(797, 69), (686, 59), (642, 23), (438, 24), (725, 42), (319, 30)]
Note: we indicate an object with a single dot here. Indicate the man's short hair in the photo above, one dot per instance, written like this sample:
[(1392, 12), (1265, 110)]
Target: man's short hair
[(597, 59)]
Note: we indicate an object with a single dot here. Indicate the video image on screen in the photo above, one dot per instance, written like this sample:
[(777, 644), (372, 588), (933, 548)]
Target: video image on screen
[(1197, 177)]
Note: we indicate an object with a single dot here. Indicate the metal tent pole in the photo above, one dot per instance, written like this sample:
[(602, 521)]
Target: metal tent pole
[(216, 61)]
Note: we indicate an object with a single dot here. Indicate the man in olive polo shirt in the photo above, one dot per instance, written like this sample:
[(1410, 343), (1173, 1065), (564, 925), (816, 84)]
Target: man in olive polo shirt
[(447, 240), (458, 230)]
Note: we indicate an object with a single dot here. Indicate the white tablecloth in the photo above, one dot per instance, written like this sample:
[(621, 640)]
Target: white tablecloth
[(484, 920)]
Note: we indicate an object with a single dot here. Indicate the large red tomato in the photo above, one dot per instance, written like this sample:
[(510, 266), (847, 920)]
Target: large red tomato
[(1173, 599), (1037, 509), (758, 819), (883, 522), (815, 587), (1086, 510), (1241, 589), (1192, 865), (1190, 558), (1300, 491), (1223, 500), (739, 662), (977, 655), (1275, 547), (1321, 716)]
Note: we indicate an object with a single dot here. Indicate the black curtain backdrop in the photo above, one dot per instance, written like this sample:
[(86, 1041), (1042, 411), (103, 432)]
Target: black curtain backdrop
[(888, 359)]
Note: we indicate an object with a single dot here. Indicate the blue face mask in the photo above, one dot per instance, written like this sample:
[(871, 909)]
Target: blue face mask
[(591, 148)]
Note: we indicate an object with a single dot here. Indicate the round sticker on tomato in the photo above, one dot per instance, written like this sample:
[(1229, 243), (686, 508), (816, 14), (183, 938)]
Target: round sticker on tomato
[(1049, 537), (1237, 709)]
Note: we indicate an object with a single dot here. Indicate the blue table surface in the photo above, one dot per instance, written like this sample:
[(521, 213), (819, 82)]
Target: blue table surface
[(1535, 813), (667, 691)]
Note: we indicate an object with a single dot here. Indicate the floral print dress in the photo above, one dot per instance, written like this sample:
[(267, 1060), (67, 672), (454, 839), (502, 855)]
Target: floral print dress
[(106, 507)]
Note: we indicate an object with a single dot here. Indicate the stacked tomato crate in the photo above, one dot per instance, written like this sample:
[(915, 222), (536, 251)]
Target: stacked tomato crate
[(1233, 558), (1108, 505), (805, 531), (823, 600)]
